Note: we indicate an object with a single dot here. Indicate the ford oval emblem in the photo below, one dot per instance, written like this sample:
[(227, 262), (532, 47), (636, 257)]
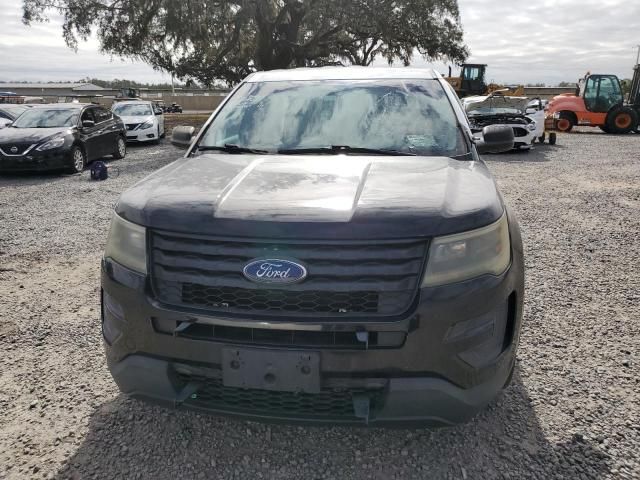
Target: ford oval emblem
[(274, 270)]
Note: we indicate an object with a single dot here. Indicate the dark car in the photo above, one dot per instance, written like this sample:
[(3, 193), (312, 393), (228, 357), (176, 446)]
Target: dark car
[(61, 136), (173, 108), (331, 249)]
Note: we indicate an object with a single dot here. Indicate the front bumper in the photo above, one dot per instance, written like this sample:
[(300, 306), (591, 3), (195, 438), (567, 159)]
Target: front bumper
[(457, 352), (53, 159), (146, 135)]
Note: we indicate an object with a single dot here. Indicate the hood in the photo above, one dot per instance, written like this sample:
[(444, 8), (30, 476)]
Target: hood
[(496, 101), (127, 119), (315, 197), (29, 135)]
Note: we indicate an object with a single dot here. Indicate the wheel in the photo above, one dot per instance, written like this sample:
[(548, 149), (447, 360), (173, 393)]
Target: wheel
[(552, 138), (121, 148), (542, 138), (604, 128), (622, 120), (78, 160), (565, 123)]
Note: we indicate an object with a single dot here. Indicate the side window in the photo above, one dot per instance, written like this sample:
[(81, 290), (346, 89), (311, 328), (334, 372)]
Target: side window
[(88, 115), (472, 73), (610, 94), (102, 114), (591, 93)]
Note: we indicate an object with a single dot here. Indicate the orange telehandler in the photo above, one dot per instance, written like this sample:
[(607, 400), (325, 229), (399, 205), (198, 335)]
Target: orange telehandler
[(598, 102)]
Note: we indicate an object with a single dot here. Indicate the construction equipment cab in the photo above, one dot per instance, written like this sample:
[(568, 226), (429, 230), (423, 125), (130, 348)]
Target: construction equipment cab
[(598, 102), (471, 80)]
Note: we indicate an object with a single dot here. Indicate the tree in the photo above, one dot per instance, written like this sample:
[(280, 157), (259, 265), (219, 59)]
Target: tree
[(228, 39)]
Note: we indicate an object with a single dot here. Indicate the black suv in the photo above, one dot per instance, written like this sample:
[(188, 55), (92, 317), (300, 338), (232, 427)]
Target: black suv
[(331, 249), (61, 136)]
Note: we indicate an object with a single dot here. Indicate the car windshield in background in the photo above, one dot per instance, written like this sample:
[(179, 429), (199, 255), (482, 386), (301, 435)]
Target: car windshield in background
[(47, 118), (12, 110), (132, 109), (411, 116)]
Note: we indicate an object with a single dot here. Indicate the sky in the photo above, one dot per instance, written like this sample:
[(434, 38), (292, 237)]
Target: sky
[(533, 41)]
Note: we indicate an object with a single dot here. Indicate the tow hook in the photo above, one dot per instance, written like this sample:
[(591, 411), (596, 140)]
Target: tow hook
[(362, 407)]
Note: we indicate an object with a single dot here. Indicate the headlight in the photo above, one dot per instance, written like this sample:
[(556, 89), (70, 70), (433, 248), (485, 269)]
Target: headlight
[(53, 143), (145, 125), (532, 126), (459, 257), (126, 244)]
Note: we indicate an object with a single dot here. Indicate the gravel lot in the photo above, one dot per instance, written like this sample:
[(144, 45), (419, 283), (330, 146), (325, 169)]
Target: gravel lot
[(573, 410)]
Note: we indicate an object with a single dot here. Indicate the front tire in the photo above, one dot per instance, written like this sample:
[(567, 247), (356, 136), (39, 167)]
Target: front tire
[(542, 138), (622, 120), (565, 123), (121, 148), (78, 160)]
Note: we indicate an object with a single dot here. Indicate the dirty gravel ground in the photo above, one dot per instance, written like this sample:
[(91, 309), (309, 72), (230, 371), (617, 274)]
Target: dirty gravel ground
[(573, 410)]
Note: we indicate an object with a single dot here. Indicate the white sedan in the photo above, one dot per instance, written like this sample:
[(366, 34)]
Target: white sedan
[(144, 122), (496, 109)]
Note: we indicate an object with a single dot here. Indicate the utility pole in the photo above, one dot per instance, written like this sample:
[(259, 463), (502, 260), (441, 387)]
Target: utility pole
[(638, 57)]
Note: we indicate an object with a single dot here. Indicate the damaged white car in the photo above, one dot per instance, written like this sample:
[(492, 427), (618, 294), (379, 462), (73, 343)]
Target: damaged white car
[(495, 109)]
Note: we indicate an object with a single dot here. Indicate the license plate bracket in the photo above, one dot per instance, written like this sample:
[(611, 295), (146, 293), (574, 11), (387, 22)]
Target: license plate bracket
[(284, 371)]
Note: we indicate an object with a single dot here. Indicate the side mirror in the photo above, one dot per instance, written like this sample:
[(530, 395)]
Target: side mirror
[(496, 139), (157, 111), (182, 136), (88, 124)]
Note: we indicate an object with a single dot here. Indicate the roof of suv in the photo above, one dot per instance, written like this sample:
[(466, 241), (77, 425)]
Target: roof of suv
[(342, 73)]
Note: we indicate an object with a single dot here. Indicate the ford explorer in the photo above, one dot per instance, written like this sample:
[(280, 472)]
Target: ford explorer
[(331, 249)]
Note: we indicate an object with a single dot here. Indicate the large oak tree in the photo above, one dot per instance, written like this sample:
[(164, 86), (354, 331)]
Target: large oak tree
[(227, 39)]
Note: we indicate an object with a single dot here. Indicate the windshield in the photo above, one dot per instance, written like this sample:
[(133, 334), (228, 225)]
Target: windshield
[(47, 118), (132, 109), (413, 116)]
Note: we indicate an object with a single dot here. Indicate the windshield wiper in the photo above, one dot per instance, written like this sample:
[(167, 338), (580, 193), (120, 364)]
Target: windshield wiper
[(337, 149), (230, 148)]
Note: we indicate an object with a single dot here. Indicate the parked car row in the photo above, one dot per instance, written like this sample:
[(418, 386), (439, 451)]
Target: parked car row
[(68, 136)]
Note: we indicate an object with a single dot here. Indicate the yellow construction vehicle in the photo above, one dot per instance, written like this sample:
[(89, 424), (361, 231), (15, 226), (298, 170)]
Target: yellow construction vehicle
[(472, 82)]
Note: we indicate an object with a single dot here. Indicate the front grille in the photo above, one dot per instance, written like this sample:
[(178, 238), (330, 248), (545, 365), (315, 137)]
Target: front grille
[(329, 403), (20, 148), (520, 132), (132, 126), (279, 300), (344, 279)]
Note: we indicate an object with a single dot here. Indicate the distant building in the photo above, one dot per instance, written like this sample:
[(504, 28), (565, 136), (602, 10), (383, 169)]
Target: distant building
[(51, 89)]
